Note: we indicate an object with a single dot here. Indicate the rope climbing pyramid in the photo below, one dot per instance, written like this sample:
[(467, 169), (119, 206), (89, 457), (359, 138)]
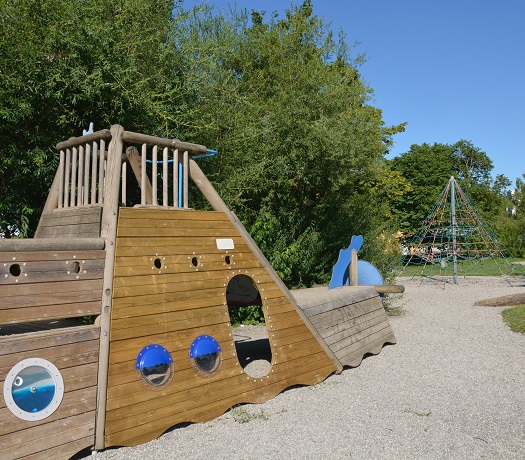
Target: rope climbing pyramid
[(455, 240)]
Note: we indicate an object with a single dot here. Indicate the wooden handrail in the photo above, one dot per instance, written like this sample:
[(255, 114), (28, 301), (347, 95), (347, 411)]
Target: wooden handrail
[(103, 134), (139, 138)]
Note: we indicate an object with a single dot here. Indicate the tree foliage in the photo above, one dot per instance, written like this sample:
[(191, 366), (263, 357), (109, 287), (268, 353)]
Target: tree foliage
[(427, 168), (65, 64), (512, 229), (302, 150)]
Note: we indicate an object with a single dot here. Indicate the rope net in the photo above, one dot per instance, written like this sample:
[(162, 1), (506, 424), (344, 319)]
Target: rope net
[(454, 240)]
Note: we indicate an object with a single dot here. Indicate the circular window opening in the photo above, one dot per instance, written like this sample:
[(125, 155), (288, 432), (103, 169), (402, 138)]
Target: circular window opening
[(75, 267), (206, 355), (157, 263), (227, 260), (154, 366), (194, 261), (15, 270), (33, 389)]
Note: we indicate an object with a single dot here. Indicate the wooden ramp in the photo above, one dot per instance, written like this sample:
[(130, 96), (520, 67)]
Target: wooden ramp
[(351, 320)]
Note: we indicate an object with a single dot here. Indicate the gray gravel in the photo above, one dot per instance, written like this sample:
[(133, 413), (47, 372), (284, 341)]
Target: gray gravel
[(452, 388)]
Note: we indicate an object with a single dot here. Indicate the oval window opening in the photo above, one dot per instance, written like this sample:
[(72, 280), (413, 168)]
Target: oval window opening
[(249, 326), (155, 366), (206, 355)]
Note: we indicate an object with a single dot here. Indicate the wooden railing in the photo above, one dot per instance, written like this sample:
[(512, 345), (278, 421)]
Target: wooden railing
[(81, 171), (161, 169)]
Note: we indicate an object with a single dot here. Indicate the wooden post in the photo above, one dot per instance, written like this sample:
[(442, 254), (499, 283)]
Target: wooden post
[(154, 174), (353, 269), (139, 170), (204, 185), (185, 174), (176, 178), (101, 173), (66, 178), (61, 180), (80, 180), (144, 181), (72, 201), (94, 164), (86, 173), (109, 233), (165, 176)]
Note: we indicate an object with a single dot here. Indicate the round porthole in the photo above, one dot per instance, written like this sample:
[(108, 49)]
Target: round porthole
[(33, 389), (155, 367), (206, 355)]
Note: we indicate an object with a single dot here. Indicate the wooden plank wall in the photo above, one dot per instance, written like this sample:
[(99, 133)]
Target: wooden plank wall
[(173, 305), (45, 286), (74, 351), (351, 320), (48, 286), (82, 222)]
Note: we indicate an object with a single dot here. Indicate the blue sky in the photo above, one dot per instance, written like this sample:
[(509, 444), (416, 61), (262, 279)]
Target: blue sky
[(451, 69)]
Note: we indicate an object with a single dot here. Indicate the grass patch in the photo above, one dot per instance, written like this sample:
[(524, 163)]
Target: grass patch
[(473, 267), (242, 415), (515, 318), (394, 311)]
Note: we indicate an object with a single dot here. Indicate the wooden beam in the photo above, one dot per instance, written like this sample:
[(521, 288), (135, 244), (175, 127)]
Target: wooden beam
[(353, 269), (162, 142), (390, 289), (109, 232), (104, 134), (50, 244)]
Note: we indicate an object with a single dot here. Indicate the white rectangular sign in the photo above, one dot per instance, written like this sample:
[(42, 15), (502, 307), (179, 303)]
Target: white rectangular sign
[(225, 243)]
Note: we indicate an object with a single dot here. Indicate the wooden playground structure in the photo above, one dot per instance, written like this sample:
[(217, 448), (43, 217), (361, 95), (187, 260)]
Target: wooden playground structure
[(159, 277)]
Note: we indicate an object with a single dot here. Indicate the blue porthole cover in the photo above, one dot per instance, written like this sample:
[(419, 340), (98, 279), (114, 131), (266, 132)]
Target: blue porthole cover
[(154, 366), (206, 355)]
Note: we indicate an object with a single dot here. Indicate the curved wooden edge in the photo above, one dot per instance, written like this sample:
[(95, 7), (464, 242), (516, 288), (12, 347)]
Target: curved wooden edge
[(372, 351), (208, 412)]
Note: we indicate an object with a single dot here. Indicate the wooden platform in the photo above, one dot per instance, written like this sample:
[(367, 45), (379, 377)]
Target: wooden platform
[(351, 320)]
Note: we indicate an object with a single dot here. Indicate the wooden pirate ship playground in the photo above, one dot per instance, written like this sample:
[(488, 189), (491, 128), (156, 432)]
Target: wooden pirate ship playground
[(159, 277)]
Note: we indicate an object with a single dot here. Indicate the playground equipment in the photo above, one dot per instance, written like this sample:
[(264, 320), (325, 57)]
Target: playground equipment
[(454, 239), (159, 277)]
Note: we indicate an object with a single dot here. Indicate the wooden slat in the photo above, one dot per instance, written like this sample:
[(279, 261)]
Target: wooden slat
[(46, 339), (64, 355), (37, 271), (70, 222), (54, 434)]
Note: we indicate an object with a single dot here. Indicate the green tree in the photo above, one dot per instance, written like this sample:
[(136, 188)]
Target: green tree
[(512, 229), (67, 63), (302, 150), (427, 168)]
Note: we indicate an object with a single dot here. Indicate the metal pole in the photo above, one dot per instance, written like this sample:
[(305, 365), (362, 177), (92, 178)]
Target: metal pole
[(453, 224)]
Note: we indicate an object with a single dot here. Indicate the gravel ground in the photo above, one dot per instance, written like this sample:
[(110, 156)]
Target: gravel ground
[(453, 387)]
